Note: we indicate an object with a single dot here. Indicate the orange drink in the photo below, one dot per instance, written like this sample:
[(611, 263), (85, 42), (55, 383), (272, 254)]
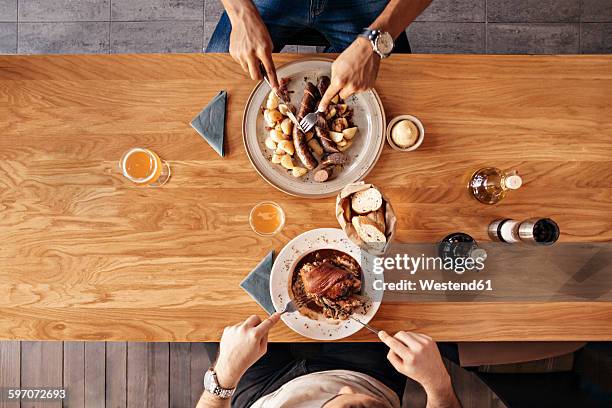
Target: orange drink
[(267, 218), (143, 166)]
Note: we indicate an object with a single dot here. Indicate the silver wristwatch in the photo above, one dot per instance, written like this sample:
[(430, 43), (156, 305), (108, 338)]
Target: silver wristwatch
[(382, 41), (211, 385)]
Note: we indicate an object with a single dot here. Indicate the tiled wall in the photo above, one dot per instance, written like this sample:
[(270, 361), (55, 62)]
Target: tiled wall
[(447, 26)]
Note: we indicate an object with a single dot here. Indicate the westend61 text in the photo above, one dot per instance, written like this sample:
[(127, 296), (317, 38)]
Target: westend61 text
[(431, 285)]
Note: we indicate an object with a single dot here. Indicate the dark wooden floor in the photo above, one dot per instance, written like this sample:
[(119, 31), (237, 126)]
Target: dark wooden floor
[(133, 375)]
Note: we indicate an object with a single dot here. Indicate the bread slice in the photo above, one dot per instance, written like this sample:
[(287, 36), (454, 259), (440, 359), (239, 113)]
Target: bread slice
[(346, 207), (366, 201), (368, 230), (378, 217)]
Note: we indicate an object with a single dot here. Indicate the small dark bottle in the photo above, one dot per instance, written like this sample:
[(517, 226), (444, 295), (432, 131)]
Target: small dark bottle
[(460, 245)]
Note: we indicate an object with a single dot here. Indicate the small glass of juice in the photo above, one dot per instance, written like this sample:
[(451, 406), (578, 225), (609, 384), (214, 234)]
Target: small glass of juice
[(267, 218), (143, 166)]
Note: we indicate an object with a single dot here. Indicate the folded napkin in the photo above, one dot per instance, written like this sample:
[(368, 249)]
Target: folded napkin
[(210, 122), (257, 283)]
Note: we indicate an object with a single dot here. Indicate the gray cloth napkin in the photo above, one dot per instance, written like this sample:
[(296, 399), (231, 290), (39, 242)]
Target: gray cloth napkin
[(257, 283), (210, 122)]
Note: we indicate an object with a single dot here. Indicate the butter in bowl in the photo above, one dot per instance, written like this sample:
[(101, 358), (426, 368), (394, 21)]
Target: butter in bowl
[(366, 217), (405, 133)]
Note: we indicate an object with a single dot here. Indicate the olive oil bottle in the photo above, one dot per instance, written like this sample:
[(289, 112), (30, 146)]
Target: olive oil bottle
[(490, 185)]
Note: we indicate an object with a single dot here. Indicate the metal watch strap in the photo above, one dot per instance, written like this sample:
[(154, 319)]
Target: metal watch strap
[(223, 393)]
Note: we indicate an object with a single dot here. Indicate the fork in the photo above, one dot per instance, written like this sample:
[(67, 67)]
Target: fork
[(308, 122), (294, 305)]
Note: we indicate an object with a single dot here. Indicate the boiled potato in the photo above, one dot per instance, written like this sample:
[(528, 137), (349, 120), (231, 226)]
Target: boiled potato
[(298, 171), (282, 108), (346, 146), (349, 133), (275, 116), (336, 136), (269, 121), (287, 146), (342, 109), (277, 135), (331, 112), (287, 162), (339, 124), (342, 142), (280, 151), (335, 99), (315, 147), (287, 126), (276, 158), (272, 102), (270, 143)]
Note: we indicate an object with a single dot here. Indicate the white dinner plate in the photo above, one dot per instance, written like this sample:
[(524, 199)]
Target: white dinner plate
[(369, 117), (288, 258)]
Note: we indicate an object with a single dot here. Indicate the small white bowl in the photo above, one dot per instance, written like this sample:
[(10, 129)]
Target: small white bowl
[(419, 126)]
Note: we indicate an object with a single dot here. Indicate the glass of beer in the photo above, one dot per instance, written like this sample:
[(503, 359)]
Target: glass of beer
[(143, 166), (267, 218)]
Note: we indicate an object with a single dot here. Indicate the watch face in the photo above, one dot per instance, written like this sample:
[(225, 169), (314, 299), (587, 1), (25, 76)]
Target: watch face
[(384, 42), (209, 381)]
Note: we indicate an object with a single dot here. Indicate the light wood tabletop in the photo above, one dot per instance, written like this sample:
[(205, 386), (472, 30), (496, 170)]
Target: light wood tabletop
[(86, 255)]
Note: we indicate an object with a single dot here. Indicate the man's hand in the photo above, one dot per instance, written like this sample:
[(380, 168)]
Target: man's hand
[(250, 42), (354, 70), (417, 356), (241, 346)]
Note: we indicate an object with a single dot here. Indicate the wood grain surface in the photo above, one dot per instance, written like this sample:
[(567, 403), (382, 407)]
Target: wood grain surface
[(87, 256)]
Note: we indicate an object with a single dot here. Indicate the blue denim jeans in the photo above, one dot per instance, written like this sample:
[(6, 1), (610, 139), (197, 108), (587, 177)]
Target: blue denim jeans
[(333, 24)]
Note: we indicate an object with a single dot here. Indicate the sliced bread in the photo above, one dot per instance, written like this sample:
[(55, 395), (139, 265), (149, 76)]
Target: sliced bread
[(378, 217), (366, 201), (368, 230)]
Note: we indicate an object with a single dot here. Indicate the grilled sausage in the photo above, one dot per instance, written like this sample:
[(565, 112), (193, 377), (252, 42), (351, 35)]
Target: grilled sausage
[(323, 174), (333, 159), (302, 149), (322, 84), (322, 132)]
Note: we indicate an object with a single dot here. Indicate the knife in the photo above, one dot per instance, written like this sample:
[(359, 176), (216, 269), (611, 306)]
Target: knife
[(367, 326), (288, 103)]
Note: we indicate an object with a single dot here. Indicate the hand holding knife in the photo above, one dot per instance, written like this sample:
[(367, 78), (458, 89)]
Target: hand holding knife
[(282, 98)]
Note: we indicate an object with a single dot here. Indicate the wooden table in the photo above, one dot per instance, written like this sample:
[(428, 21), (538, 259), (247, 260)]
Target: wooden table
[(85, 255)]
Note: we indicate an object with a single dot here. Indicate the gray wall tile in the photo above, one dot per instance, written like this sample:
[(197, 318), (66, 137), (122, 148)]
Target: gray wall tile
[(533, 38), (8, 10), (213, 10), (446, 38), (533, 11), (454, 10), (63, 38), (597, 11), (64, 10), (209, 28), (142, 10), (156, 36), (8, 38), (596, 38)]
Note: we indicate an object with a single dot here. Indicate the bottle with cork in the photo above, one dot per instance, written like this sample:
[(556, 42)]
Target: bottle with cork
[(490, 185)]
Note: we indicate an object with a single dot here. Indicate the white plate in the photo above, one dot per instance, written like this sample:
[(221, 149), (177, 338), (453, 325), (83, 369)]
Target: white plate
[(287, 259), (369, 117)]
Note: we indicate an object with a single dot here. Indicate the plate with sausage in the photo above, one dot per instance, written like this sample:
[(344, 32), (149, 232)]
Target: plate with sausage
[(336, 277), (342, 148)]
